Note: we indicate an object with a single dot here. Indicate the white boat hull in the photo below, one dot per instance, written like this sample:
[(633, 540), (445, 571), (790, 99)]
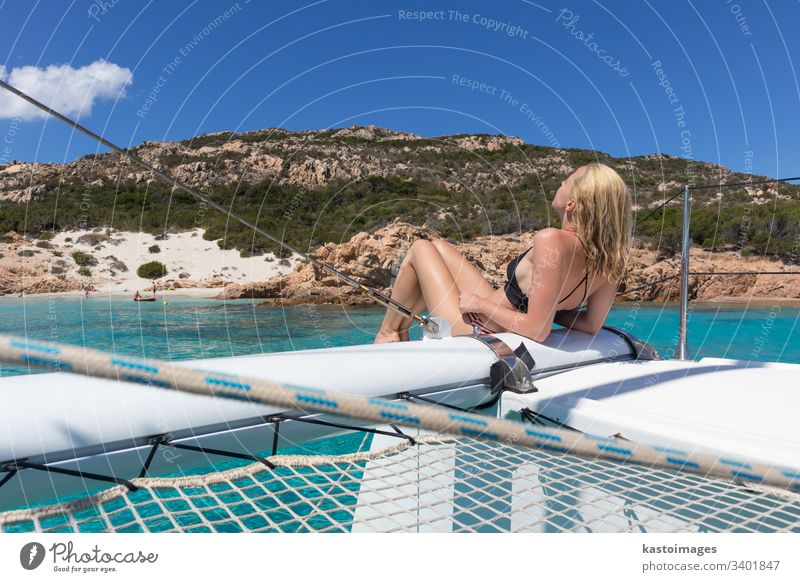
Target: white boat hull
[(107, 427)]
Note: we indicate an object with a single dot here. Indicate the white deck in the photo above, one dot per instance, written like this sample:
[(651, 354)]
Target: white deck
[(745, 410)]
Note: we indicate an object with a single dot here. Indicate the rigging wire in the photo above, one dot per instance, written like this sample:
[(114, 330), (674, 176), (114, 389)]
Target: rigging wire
[(707, 274), (706, 187), (376, 295), (712, 186)]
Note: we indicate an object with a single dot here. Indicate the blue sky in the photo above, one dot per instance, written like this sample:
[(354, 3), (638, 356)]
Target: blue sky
[(574, 74)]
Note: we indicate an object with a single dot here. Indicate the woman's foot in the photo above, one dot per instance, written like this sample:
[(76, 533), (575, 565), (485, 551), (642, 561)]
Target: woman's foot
[(387, 337), (391, 336)]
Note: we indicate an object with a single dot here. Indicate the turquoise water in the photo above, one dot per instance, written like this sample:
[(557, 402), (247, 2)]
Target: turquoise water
[(187, 328), (308, 499), (194, 328)]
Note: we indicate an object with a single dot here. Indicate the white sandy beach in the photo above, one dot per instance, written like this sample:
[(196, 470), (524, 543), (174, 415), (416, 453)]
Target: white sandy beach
[(195, 267), (186, 255)]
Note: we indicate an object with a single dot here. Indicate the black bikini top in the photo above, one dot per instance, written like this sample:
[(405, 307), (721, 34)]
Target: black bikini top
[(518, 299)]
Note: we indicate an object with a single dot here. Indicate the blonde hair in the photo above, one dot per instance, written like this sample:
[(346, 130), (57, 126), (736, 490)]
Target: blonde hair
[(603, 220)]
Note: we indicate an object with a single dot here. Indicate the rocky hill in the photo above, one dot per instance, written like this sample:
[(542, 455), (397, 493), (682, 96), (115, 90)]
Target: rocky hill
[(315, 159), (310, 159), (321, 188), (374, 259)]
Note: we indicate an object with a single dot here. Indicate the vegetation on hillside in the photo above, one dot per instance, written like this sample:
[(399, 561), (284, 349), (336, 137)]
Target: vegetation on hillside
[(307, 218), (152, 270), (83, 259)]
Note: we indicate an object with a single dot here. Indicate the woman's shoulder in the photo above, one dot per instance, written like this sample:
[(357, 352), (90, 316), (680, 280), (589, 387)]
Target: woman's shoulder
[(551, 248), (546, 233), (549, 235), (552, 239)]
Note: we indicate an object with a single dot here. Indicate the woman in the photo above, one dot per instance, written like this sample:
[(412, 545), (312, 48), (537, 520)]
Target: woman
[(582, 261)]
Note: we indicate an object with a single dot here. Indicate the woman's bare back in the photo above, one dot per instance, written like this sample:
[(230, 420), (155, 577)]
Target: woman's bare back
[(567, 250)]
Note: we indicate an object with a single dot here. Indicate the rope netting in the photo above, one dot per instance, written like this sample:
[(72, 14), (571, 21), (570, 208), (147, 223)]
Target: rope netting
[(442, 484), (467, 473), (166, 375)]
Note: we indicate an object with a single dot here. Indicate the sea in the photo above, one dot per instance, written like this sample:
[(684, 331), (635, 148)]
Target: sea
[(184, 328)]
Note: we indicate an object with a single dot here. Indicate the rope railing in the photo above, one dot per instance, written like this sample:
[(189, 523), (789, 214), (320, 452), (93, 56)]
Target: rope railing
[(746, 183), (705, 274), (655, 210), (661, 206), (160, 374)]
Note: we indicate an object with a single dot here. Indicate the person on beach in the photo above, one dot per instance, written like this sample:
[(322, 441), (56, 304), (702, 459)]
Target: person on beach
[(579, 263)]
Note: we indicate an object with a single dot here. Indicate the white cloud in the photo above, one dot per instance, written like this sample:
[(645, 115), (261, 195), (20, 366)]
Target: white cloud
[(70, 91)]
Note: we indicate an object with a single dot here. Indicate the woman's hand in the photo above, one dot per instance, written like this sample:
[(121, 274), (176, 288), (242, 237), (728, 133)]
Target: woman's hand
[(469, 302)]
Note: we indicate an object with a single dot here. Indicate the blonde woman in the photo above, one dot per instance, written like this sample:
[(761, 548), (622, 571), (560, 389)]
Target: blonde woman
[(579, 263)]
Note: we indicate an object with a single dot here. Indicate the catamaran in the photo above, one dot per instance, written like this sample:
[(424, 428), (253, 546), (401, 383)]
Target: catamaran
[(493, 432)]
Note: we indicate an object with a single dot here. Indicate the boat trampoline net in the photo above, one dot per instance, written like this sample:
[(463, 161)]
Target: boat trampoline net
[(432, 483)]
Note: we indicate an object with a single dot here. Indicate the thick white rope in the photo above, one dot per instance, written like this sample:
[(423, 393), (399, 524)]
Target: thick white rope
[(91, 362)]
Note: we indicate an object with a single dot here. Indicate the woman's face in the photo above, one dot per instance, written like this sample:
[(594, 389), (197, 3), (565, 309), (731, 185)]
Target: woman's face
[(563, 201)]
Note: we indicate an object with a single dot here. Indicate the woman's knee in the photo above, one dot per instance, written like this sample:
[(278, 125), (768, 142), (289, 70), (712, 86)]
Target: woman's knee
[(441, 245), (421, 243), (421, 247)]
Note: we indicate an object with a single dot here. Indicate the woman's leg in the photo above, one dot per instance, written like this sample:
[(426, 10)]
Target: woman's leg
[(467, 277), (424, 271), (406, 290)]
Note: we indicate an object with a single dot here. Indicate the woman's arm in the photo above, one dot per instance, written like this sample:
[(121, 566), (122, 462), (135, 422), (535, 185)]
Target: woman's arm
[(592, 319), (570, 318), (536, 324), (546, 256)]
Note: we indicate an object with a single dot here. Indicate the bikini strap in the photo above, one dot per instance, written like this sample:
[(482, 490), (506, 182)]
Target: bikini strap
[(585, 286), (585, 282), (519, 258)]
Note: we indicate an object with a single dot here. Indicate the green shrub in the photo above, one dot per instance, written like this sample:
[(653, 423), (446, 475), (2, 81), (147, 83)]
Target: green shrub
[(85, 272), (152, 270), (154, 249), (46, 235), (43, 244), (83, 259)]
